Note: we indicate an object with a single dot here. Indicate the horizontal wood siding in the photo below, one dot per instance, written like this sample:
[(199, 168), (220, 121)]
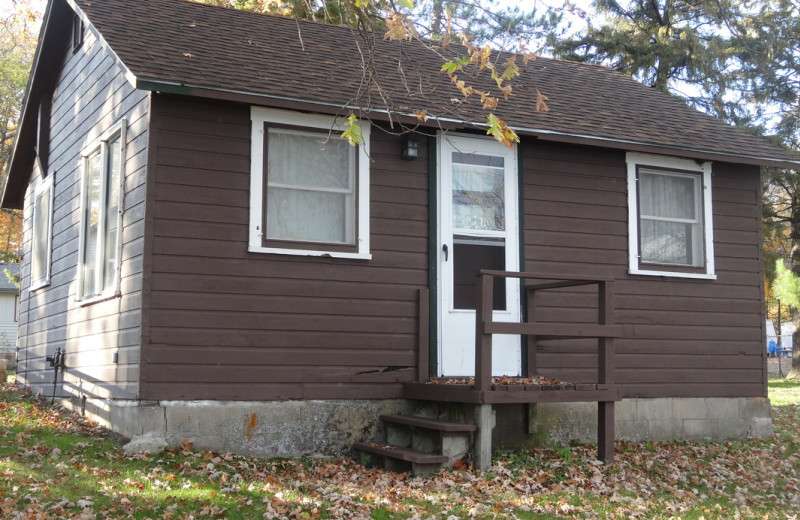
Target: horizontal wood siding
[(223, 323), (90, 97), (685, 338)]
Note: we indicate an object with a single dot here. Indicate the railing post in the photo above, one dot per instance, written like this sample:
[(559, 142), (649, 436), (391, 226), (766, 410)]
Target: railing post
[(483, 341), (605, 376), (530, 341), (423, 332), (605, 316)]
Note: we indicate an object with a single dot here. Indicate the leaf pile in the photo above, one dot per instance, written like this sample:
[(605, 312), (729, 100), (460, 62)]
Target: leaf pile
[(57, 465), (501, 380)]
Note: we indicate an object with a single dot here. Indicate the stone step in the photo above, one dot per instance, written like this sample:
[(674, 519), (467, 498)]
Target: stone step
[(429, 424), (400, 453)]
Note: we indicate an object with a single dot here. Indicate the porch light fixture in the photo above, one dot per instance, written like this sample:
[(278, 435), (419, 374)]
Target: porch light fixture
[(410, 150)]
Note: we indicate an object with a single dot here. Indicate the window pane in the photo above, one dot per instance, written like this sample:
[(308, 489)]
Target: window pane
[(41, 232), (478, 192), (112, 213), (309, 159), (91, 219), (665, 242), (310, 216), (468, 259), (668, 196), (671, 224)]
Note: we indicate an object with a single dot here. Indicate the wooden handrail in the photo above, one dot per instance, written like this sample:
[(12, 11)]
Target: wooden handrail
[(604, 330)]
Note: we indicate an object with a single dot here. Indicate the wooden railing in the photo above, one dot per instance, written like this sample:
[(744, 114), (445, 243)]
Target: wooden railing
[(604, 330)]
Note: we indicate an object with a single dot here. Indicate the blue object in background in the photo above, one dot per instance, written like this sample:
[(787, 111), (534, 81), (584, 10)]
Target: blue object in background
[(772, 348)]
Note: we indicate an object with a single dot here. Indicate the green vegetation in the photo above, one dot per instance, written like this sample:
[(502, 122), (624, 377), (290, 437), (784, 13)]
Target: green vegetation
[(54, 464)]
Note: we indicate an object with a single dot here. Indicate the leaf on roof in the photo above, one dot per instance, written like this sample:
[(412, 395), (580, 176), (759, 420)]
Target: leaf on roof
[(188, 55), (489, 101), (540, 102), (422, 115)]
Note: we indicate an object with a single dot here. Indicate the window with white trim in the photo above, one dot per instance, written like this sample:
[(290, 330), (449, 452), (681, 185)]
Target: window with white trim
[(309, 187), (670, 218), (42, 233), (101, 216)]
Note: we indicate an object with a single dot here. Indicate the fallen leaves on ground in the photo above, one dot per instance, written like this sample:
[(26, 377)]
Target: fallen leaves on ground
[(58, 465)]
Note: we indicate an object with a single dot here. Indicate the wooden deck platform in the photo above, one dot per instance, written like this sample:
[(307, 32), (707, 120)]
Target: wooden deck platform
[(484, 391), (508, 394)]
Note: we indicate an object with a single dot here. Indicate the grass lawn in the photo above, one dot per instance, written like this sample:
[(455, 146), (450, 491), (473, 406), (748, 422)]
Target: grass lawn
[(55, 464)]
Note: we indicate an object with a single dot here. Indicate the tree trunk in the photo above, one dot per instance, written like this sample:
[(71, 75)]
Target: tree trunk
[(437, 27), (794, 236), (794, 373)]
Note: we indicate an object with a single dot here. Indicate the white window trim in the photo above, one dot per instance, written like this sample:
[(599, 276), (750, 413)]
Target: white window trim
[(46, 185), (259, 117), (634, 160), (118, 130)]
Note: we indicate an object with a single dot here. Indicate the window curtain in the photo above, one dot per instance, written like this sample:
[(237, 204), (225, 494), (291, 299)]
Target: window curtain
[(41, 232), (91, 222), (671, 222), (112, 212), (310, 188)]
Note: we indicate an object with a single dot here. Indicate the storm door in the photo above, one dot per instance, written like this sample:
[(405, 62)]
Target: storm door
[(478, 229)]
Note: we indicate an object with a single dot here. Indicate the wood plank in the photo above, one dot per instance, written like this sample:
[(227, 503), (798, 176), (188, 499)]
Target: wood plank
[(428, 424), (268, 391), (556, 331), (400, 453), (287, 374), (458, 394), (321, 357), (306, 343), (185, 300)]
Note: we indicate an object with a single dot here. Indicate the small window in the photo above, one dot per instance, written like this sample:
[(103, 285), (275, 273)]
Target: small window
[(101, 216), (309, 187), (77, 32), (670, 217), (42, 233)]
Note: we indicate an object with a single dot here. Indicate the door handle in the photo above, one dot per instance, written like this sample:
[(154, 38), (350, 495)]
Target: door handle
[(445, 251)]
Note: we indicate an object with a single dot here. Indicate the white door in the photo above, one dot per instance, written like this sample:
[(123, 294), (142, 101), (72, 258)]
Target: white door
[(478, 229)]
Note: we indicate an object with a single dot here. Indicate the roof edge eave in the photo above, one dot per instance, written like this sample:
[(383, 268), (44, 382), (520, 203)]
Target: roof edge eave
[(291, 103), (20, 160), (641, 146)]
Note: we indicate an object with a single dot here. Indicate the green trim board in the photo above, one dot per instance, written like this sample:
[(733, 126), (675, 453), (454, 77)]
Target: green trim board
[(433, 248)]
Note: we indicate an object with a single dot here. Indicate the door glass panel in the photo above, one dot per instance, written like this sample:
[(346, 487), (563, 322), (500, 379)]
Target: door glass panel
[(469, 256), (478, 192)]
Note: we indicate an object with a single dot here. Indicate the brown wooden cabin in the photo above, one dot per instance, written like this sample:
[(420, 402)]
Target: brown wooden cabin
[(186, 241)]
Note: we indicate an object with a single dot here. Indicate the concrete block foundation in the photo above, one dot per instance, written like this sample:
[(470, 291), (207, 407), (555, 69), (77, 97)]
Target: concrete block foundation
[(663, 419), (267, 429), (329, 428)]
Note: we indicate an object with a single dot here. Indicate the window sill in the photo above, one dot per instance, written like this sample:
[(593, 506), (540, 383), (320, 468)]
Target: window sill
[(673, 274), (310, 252), (98, 299), (39, 285)]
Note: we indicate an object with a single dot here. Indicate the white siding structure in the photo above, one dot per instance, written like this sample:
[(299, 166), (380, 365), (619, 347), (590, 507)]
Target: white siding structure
[(9, 295)]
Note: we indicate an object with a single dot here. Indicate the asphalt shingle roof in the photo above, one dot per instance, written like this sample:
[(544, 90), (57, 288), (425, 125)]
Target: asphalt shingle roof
[(204, 47), (6, 285)]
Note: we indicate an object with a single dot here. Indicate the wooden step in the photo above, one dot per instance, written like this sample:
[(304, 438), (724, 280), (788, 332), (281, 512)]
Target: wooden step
[(400, 453), (429, 424)]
